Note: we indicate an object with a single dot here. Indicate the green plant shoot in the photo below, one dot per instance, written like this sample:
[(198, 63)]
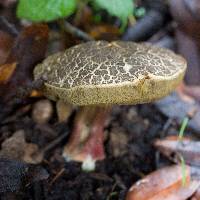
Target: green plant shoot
[(183, 127)]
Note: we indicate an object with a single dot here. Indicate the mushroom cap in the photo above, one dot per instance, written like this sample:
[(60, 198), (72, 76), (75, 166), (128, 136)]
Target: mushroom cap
[(95, 73)]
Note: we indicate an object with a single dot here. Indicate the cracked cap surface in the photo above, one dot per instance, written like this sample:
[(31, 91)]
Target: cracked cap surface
[(95, 73)]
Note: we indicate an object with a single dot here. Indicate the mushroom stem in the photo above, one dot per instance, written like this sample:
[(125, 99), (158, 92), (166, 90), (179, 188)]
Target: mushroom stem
[(86, 141)]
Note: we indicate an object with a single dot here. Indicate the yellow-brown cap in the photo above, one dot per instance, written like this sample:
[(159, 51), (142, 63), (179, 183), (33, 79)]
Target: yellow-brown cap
[(97, 73)]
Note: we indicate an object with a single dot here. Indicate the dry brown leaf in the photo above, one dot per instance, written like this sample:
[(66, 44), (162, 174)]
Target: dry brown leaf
[(177, 106), (28, 49), (196, 196), (105, 32), (36, 93), (16, 147), (185, 97), (164, 184), (6, 72), (191, 90), (173, 148), (185, 192), (6, 42)]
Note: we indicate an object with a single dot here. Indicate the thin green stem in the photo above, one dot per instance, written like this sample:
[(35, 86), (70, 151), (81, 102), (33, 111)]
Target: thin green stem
[(183, 127), (183, 168)]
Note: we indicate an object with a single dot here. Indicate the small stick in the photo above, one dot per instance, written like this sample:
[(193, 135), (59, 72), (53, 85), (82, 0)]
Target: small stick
[(8, 27), (55, 142), (57, 176), (74, 30)]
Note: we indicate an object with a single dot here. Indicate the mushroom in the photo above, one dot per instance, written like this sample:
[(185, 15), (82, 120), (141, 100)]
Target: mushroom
[(96, 75)]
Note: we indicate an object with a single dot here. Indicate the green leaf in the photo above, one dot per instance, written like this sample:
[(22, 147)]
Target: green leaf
[(118, 8), (45, 10)]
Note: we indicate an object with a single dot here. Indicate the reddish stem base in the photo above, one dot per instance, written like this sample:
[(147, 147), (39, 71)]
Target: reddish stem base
[(86, 141)]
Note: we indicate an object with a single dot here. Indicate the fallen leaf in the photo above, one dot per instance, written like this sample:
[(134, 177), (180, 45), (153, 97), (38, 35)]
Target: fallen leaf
[(196, 196), (191, 90), (29, 49), (6, 42), (165, 183), (36, 93), (183, 96), (176, 107), (173, 148), (105, 32), (16, 147), (6, 71)]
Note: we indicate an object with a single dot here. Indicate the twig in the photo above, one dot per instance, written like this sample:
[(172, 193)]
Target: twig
[(57, 176), (145, 27), (74, 30), (55, 142), (8, 27)]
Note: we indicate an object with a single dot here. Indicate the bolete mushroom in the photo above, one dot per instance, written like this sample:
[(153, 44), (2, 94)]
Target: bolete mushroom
[(96, 75)]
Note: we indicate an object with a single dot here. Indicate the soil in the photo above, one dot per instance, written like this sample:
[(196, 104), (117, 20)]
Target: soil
[(113, 176)]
